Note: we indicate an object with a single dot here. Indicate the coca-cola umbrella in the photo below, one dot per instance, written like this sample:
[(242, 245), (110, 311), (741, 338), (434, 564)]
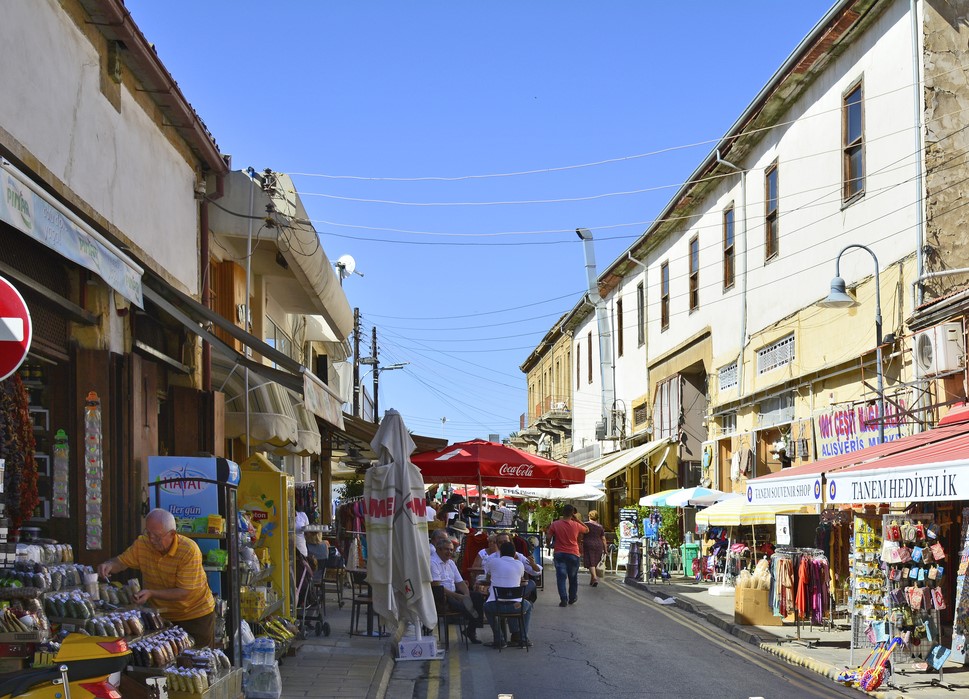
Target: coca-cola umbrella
[(493, 464)]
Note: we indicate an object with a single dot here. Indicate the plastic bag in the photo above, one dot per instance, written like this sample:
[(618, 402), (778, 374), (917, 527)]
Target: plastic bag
[(745, 580)]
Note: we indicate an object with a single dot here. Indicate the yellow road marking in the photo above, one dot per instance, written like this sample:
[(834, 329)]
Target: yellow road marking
[(715, 638)]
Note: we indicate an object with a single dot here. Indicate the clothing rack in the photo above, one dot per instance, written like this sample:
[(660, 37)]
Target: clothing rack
[(796, 554)]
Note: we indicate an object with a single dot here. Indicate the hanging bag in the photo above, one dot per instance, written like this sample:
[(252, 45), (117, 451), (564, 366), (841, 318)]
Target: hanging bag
[(938, 552), (938, 656), (938, 598), (917, 554)]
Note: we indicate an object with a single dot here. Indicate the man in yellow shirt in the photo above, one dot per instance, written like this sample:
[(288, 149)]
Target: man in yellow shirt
[(172, 576)]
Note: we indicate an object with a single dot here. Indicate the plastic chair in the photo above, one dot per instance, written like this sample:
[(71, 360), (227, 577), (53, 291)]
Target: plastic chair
[(445, 615), (510, 605)]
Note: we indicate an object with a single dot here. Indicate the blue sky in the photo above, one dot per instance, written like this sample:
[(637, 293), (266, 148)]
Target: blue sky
[(404, 125)]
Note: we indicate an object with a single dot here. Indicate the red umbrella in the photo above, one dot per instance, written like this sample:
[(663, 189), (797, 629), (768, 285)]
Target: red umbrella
[(492, 464)]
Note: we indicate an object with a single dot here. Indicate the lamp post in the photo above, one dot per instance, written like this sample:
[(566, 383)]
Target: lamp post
[(377, 369), (838, 298)]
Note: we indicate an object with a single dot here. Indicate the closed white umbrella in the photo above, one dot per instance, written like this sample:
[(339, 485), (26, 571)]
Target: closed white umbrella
[(576, 491), (398, 562)]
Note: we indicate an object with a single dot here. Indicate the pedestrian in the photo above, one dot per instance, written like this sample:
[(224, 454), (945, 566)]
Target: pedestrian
[(593, 546), (564, 533)]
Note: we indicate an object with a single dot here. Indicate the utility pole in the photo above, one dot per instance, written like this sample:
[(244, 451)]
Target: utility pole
[(376, 376), (356, 362)]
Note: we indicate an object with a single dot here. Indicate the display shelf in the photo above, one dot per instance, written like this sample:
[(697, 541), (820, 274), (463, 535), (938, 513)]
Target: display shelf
[(196, 535), (250, 578), (213, 569), (269, 610)]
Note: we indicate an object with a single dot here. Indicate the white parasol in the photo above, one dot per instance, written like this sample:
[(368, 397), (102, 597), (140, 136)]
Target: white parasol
[(398, 563), (574, 491)]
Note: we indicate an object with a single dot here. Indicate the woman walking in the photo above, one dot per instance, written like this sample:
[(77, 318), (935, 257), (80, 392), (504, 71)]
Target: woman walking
[(593, 545)]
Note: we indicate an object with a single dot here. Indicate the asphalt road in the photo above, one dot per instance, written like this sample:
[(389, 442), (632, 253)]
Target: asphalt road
[(616, 642)]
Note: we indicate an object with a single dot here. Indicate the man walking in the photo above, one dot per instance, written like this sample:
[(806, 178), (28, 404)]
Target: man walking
[(564, 532)]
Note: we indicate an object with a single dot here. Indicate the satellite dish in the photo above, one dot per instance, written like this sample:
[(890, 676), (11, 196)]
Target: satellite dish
[(346, 266)]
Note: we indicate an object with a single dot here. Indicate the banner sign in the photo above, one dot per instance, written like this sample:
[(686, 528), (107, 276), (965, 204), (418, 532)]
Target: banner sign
[(945, 481), (847, 429), (805, 490), (49, 223)]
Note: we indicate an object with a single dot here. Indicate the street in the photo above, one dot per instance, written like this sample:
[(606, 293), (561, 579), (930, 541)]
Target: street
[(616, 641)]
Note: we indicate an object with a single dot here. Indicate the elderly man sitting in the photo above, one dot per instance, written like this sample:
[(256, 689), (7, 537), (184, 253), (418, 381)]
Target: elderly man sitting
[(456, 593), (506, 571)]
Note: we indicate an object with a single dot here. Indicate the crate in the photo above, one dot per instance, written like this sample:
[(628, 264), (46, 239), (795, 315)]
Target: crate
[(17, 650), (23, 637)]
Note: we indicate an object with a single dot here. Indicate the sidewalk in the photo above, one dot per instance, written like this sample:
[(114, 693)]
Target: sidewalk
[(338, 665), (827, 656)]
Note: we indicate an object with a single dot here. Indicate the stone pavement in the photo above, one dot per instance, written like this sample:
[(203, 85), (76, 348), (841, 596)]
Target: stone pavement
[(338, 665), (827, 656)]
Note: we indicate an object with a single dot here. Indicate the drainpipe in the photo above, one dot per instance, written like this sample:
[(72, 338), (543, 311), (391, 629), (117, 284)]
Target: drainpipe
[(743, 272), (917, 284), (608, 395), (919, 155), (206, 278)]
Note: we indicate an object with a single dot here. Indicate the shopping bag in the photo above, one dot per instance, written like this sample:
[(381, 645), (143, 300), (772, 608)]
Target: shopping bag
[(601, 566), (938, 599), (938, 552)]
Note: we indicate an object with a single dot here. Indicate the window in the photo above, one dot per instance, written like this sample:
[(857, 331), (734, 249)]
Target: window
[(619, 326), (667, 408), (770, 212), (775, 355), (728, 376), (694, 273), (664, 295), (589, 343), (275, 337), (853, 140), (578, 364), (728, 247), (641, 314), (728, 423)]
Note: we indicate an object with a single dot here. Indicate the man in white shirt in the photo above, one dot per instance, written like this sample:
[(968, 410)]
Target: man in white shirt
[(506, 571), (532, 569), (456, 593)]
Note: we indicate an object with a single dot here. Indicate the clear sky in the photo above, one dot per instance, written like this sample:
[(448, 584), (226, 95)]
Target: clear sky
[(405, 126)]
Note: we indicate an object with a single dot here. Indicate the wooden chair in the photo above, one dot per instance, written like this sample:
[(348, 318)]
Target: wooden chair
[(445, 615), (510, 605)]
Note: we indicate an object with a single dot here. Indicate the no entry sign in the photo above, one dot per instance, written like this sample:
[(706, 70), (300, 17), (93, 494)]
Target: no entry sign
[(15, 329)]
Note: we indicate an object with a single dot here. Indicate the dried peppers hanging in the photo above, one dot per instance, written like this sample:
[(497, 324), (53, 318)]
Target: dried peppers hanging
[(17, 447)]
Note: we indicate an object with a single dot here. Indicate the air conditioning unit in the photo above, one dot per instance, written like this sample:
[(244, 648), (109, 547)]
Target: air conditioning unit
[(939, 349)]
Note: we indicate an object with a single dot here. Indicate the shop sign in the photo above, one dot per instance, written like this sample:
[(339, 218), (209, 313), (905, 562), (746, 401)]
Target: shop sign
[(53, 225), (844, 430), (15, 329), (806, 490), (940, 482), (190, 481)]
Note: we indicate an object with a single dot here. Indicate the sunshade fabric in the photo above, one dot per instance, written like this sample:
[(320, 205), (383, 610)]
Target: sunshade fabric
[(272, 419), (685, 497), (491, 464), (737, 512), (576, 491), (657, 499), (707, 500), (309, 441), (398, 558), (610, 464)]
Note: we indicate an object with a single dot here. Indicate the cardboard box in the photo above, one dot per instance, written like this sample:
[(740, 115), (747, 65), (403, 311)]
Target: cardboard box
[(752, 608)]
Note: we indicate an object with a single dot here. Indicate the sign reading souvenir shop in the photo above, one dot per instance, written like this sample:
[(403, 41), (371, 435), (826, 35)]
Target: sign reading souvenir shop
[(947, 481), (806, 490)]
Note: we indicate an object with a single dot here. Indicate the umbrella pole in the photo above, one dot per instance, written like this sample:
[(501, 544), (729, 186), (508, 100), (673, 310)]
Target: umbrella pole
[(480, 502)]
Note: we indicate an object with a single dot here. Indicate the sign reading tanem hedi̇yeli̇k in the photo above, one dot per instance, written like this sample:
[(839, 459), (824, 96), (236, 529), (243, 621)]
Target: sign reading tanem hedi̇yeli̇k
[(945, 481)]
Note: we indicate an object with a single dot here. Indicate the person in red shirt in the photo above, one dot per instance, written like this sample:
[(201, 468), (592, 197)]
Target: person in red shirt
[(564, 533)]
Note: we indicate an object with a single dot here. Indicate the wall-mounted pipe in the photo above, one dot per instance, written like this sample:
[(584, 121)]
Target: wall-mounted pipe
[(608, 394)]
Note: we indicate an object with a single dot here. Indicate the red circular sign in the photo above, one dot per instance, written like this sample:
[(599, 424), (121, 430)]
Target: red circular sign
[(15, 329)]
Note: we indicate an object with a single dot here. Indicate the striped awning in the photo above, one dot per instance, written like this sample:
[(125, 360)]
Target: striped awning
[(272, 421)]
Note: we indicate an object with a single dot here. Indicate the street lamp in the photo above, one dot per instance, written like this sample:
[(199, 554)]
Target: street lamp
[(838, 298), (377, 369)]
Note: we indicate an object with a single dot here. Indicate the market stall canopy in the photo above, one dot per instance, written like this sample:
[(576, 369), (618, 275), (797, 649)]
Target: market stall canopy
[(603, 469), (737, 512), (272, 420), (576, 491), (936, 450), (657, 499), (492, 464), (685, 497)]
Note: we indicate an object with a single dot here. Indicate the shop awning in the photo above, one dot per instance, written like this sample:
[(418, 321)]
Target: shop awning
[(308, 439), (272, 419), (605, 468), (812, 483), (318, 398), (738, 512)]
